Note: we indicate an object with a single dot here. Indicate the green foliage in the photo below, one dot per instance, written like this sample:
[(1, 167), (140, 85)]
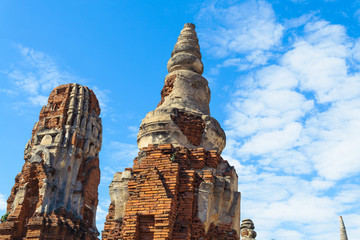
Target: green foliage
[(172, 158), (4, 217)]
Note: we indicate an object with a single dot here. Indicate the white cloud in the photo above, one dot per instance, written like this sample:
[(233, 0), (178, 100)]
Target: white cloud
[(39, 72), (288, 204), (133, 131), (103, 98), (3, 203), (294, 125), (8, 91), (357, 14), (319, 60), (349, 194), (352, 225), (298, 21), (321, 184), (282, 106), (271, 141), (247, 27), (299, 1), (123, 151), (120, 155), (36, 75), (38, 100), (282, 234), (107, 174), (277, 77), (101, 212)]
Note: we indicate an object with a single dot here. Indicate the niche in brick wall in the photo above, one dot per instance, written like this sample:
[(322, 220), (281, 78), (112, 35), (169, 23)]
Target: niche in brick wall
[(146, 227)]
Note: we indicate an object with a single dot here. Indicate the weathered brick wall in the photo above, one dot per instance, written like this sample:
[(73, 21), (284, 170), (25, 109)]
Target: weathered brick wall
[(29, 181), (112, 228), (163, 192)]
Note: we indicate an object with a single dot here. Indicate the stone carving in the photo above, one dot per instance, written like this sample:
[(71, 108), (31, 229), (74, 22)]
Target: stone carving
[(179, 186), (55, 195), (185, 97), (119, 194), (247, 230), (219, 201)]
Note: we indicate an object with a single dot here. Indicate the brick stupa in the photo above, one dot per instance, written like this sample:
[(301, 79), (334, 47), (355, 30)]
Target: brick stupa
[(55, 196), (179, 186)]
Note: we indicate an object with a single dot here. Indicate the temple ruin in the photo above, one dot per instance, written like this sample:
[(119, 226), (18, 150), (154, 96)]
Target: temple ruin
[(179, 186), (55, 196)]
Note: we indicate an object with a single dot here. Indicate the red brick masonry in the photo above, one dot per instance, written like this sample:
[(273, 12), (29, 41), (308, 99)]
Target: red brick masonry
[(163, 196)]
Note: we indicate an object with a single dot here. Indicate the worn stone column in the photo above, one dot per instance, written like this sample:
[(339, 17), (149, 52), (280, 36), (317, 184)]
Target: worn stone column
[(55, 196), (179, 186)]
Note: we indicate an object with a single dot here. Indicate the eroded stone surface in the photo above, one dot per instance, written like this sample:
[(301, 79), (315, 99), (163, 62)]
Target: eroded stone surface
[(185, 91), (119, 193), (55, 195), (219, 200)]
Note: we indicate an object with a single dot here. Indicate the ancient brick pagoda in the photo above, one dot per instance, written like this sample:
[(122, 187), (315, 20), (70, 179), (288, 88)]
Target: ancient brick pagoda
[(55, 196), (179, 186)]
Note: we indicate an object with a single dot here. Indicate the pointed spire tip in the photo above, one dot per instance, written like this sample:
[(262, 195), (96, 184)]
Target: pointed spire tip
[(343, 235), (186, 54), (189, 25)]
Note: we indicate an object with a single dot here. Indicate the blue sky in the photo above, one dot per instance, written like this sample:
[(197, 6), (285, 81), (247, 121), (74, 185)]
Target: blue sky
[(285, 82)]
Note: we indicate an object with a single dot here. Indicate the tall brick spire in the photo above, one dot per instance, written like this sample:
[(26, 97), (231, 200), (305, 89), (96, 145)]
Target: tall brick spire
[(179, 187), (183, 115), (55, 195)]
